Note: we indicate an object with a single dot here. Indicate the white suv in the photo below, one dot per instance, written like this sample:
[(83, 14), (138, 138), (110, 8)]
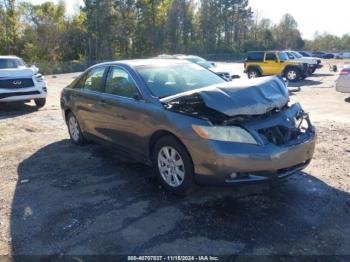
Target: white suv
[(314, 63), (21, 83)]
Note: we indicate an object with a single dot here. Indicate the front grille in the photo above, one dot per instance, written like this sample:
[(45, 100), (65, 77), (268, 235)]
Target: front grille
[(280, 135), (16, 83), (6, 95)]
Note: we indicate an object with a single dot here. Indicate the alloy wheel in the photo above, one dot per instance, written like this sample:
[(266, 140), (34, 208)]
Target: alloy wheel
[(74, 128), (171, 166), (292, 75)]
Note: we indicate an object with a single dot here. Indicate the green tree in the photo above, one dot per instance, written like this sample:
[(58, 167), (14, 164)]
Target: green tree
[(287, 35)]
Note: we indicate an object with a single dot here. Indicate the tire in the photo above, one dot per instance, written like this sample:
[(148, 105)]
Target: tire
[(253, 73), (292, 74), (40, 102), (177, 162), (74, 129)]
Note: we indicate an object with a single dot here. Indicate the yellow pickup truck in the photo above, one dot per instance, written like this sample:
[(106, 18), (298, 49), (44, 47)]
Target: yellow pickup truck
[(268, 63)]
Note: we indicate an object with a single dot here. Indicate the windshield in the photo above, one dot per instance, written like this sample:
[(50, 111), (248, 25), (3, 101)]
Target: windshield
[(177, 78), (200, 61), (297, 55), (283, 56), (11, 63)]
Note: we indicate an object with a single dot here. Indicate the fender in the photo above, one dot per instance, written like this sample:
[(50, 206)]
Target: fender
[(291, 67), (256, 67)]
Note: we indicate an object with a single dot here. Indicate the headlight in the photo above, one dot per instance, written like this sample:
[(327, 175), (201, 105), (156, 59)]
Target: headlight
[(39, 78), (225, 134)]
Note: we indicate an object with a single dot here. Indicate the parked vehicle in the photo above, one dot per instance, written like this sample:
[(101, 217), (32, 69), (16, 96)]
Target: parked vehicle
[(329, 56), (21, 83), (306, 54), (189, 124), (342, 84), (260, 64), (318, 54), (313, 63), (204, 63), (344, 55)]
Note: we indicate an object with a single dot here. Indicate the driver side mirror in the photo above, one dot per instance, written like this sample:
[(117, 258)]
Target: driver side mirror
[(137, 97)]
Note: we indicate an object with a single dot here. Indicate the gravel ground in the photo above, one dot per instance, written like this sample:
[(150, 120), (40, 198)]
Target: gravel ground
[(56, 198)]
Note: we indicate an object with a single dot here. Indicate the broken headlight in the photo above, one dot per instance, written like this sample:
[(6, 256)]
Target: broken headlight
[(302, 122), (225, 134)]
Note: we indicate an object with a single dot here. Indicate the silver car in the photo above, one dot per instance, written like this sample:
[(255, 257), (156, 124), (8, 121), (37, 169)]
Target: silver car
[(189, 124), (342, 84)]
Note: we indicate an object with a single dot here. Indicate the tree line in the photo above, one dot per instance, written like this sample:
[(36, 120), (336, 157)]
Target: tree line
[(114, 29)]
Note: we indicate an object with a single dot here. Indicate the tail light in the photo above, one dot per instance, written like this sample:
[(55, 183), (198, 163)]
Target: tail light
[(345, 71)]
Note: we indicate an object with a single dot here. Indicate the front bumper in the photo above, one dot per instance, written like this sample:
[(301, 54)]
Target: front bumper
[(216, 162), (24, 94)]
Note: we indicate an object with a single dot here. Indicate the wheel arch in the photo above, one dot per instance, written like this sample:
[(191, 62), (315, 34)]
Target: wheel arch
[(288, 67), (255, 67), (158, 135)]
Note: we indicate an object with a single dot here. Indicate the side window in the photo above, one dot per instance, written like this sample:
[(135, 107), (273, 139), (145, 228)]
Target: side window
[(78, 83), (120, 83), (255, 56), (290, 56), (271, 57), (94, 79)]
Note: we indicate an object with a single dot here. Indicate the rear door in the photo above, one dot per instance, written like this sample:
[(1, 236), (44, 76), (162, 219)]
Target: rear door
[(271, 64), (89, 99)]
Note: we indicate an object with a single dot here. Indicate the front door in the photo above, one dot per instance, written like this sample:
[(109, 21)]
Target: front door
[(126, 115), (271, 64)]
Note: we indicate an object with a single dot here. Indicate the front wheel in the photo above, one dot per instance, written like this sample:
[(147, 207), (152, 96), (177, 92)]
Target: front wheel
[(74, 130), (253, 73), (292, 75), (40, 102), (173, 165)]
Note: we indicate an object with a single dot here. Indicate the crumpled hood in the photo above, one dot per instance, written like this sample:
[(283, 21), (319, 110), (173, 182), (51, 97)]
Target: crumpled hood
[(19, 72), (242, 97)]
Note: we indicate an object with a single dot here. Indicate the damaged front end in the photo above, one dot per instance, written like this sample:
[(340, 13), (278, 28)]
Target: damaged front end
[(260, 107)]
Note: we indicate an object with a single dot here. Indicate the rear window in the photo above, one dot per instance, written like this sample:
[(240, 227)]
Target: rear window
[(255, 56)]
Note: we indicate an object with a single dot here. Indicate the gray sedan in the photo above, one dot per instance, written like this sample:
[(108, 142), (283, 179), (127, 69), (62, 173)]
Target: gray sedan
[(189, 124)]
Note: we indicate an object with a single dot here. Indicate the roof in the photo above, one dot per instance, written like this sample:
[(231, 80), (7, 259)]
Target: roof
[(146, 62), (8, 56)]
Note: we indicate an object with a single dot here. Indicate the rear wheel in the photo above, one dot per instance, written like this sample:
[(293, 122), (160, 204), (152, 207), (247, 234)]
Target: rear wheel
[(253, 73), (293, 74), (173, 165), (40, 102), (74, 130)]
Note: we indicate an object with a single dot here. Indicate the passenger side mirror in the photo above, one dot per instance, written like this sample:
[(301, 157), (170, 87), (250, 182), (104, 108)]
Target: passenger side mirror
[(213, 64)]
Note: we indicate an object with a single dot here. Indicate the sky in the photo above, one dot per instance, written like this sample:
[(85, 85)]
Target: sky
[(311, 15)]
